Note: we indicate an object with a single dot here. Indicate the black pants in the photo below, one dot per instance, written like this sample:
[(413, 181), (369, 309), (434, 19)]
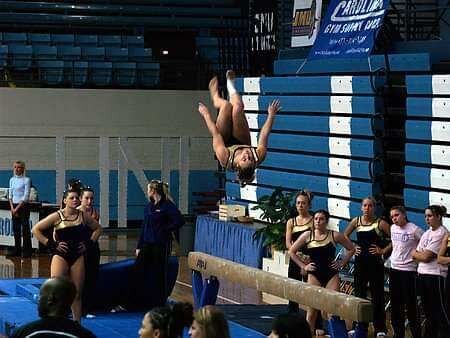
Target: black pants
[(150, 277), (21, 227), (91, 264), (402, 288), (433, 296), (371, 272)]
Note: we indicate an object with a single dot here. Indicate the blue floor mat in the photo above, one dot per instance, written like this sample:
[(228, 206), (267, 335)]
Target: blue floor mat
[(18, 310)]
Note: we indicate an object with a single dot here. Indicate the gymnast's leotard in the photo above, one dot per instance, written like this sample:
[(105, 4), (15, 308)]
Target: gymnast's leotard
[(322, 253), (72, 232)]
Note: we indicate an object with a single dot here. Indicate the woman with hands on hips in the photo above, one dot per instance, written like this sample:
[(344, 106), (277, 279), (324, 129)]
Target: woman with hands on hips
[(371, 235), (320, 245), (70, 243)]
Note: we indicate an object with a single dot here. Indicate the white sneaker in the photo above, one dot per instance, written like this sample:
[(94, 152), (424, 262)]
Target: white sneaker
[(351, 334), (381, 334)]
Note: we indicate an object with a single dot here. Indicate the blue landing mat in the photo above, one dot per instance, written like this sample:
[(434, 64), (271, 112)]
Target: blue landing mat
[(18, 310)]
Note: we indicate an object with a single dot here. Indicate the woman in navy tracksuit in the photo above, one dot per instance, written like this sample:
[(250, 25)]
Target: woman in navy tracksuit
[(161, 219)]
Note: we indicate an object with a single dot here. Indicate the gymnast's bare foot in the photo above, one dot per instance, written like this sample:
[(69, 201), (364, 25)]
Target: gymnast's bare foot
[(230, 74)]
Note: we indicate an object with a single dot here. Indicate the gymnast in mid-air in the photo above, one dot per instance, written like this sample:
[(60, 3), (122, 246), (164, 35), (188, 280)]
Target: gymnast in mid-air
[(231, 133)]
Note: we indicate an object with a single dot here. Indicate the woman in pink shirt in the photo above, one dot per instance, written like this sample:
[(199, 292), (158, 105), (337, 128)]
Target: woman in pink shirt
[(444, 259), (432, 274), (402, 283)]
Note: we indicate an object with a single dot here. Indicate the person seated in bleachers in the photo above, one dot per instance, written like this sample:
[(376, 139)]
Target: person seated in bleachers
[(166, 322), (290, 325), (55, 301), (231, 133), (209, 322), (321, 265)]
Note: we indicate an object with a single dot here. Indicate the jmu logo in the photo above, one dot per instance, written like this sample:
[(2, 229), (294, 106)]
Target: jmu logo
[(304, 21)]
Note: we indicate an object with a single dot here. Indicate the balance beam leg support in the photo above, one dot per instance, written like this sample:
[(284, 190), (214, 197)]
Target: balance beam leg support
[(361, 330), (337, 328), (204, 291)]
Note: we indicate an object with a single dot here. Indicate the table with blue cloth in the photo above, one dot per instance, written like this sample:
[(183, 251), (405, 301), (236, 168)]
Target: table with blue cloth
[(229, 240)]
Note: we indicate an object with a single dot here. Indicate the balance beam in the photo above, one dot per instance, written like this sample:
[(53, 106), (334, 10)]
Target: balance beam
[(332, 302)]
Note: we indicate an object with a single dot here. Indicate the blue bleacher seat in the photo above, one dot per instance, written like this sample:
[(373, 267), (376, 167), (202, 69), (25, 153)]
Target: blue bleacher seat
[(69, 53), (84, 40), (100, 73), (15, 38), (116, 54), (133, 41), (93, 53), (138, 54), (148, 73), (63, 39), (44, 52), (21, 56), (51, 72), (109, 41), (124, 73), (39, 39), (76, 72), (3, 56)]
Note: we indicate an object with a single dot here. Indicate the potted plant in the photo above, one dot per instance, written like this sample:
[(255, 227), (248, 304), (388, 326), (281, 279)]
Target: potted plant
[(276, 209)]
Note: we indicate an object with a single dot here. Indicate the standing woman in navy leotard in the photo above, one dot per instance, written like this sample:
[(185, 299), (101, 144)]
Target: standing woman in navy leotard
[(372, 234), (444, 259), (70, 243), (320, 246), (92, 255), (294, 228)]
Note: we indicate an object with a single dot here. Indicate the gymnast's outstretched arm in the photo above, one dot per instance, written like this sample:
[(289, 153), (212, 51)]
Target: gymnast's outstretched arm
[(272, 110)]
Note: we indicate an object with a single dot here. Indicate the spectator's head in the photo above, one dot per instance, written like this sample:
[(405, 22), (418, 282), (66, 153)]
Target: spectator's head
[(87, 197), (290, 326), (56, 297), (321, 218), (398, 215), (166, 322), (434, 214), (19, 168), (368, 206), (71, 198), (303, 201), (209, 322), (158, 188)]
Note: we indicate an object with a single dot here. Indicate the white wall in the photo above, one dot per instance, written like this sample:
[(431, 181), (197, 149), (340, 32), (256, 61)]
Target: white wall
[(29, 116)]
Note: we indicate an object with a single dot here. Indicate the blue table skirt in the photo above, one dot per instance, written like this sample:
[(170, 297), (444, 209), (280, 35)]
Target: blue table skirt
[(229, 240)]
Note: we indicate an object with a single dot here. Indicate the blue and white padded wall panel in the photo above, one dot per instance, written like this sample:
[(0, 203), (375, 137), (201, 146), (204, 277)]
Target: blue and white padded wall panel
[(427, 153), (323, 139)]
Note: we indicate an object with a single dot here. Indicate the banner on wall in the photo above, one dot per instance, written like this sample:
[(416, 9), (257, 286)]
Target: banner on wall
[(6, 228), (349, 29), (305, 22)]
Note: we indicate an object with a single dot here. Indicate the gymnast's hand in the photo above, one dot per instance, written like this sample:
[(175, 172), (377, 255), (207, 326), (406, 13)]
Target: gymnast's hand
[(274, 107), (336, 265), (357, 250), (310, 267), (375, 250), (203, 110), (61, 247)]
